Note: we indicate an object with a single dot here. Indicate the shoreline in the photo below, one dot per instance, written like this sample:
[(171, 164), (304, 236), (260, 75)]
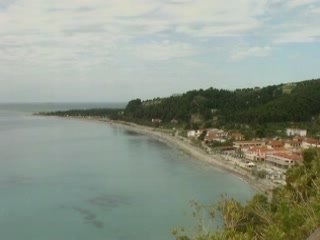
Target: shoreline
[(195, 152)]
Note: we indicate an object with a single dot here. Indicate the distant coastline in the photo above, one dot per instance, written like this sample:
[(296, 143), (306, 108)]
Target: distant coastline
[(216, 160)]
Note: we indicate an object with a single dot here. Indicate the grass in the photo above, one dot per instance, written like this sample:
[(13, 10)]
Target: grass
[(287, 88)]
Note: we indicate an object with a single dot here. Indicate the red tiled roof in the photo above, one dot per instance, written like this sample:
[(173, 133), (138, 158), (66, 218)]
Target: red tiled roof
[(248, 142), (276, 143), (260, 149), (311, 141), (287, 156)]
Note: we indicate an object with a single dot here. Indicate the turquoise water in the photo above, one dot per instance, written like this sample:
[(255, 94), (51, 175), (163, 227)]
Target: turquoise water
[(70, 179)]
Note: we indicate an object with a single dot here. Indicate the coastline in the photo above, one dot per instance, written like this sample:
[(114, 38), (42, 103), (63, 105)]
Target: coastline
[(196, 153), (228, 165)]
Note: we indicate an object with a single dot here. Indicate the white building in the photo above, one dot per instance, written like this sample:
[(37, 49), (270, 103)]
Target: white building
[(296, 132), (194, 133), (282, 160)]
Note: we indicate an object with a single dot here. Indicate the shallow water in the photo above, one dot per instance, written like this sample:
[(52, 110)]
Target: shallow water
[(69, 179)]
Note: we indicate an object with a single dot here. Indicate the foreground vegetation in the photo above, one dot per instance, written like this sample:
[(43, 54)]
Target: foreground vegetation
[(293, 212)]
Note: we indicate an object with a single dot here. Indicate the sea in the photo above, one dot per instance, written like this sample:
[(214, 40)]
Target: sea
[(66, 179)]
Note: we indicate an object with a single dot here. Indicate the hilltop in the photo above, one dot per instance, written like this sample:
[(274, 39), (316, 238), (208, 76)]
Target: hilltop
[(297, 102), (265, 110), (278, 103)]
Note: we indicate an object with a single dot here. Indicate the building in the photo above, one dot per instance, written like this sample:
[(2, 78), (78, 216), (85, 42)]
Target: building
[(275, 144), (282, 160), (194, 133), (296, 132), (237, 136), (248, 144), (156, 120), (257, 153), (228, 150), (292, 144), (309, 142), (215, 135)]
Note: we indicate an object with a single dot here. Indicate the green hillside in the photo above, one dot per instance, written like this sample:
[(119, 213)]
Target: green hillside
[(296, 102)]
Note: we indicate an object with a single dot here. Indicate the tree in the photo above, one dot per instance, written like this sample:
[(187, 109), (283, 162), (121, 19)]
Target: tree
[(293, 212)]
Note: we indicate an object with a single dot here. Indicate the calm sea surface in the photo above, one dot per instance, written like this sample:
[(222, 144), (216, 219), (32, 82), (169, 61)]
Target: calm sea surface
[(64, 179)]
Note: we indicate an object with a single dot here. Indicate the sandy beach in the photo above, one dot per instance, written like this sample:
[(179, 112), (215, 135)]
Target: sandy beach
[(227, 164)]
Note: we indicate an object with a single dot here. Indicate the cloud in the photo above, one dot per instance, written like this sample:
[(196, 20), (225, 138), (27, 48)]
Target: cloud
[(300, 3), (164, 51), (52, 31), (251, 52), (117, 39), (305, 34), (303, 28)]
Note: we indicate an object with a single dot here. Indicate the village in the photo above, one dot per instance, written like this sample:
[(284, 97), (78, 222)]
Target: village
[(265, 158)]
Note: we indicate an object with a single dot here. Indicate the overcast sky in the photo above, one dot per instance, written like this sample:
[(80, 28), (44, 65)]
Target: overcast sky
[(117, 50)]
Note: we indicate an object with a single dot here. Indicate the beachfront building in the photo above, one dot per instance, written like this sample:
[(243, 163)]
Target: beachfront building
[(228, 150), (296, 132), (257, 153), (194, 133), (282, 160), (215, 135), (248, 144)]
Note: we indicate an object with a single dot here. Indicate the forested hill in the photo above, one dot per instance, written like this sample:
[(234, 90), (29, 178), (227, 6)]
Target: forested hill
[(279, 103)]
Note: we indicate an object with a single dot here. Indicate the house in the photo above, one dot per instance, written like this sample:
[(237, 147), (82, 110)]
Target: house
[(299, 139), (237, 136), (228, 150), (296, 132), (275, 144), (194, 133), (309, 142), (218, 132), (282, 160), (257, 153), (156, 120), (292, 144), (211, 136), (215, 135)]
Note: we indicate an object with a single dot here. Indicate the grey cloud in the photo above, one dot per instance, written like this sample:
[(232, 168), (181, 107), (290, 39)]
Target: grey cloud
[(53, 10), (75, 10), (95, 28), (84, 9), (4, 4)]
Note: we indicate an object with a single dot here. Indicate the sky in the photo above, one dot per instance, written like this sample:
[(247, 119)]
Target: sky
[(118, 50)]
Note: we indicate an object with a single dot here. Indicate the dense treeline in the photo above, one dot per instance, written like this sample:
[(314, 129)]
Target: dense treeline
[(279, 103), (300, 105), (295, 102), (98, 112), (292, 213)]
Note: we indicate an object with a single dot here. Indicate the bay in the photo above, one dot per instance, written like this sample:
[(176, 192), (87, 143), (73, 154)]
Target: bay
[(70, 179)]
